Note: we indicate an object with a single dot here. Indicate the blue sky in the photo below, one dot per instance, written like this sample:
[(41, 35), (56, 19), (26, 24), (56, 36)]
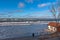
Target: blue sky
[(26, 8)]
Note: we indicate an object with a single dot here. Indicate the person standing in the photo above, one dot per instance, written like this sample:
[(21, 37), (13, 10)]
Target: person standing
[(33, 35)]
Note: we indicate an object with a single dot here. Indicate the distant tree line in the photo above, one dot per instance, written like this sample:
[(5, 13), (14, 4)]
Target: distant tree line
[(24, 19)]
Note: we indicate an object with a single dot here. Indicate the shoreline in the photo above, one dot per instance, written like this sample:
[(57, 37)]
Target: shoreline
[(33, 38), (22, 38), (19, 23)]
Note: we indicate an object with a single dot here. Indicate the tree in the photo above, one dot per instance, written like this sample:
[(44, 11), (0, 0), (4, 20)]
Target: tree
[(58, 7), (54, 12)]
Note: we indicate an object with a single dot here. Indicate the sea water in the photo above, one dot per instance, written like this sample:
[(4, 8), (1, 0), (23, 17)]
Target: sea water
[(21, 30)]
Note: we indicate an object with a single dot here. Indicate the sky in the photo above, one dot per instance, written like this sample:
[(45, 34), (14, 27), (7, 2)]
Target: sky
[(26, 8)]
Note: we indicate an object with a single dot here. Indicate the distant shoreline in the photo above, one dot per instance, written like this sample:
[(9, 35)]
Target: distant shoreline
[(19, 23)]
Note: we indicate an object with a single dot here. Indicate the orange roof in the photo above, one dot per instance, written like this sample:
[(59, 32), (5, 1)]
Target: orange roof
[(54, 24)]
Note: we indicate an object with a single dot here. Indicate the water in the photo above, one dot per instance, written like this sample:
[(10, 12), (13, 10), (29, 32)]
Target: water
[(21, 31)]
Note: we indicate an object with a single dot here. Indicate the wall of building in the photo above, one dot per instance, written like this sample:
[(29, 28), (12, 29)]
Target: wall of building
[(58, 29)]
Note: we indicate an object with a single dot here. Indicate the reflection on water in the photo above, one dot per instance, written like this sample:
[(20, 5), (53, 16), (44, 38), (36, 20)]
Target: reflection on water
[(21, 31)]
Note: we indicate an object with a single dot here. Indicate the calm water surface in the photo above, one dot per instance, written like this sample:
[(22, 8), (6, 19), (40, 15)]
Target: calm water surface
[(21, 31)]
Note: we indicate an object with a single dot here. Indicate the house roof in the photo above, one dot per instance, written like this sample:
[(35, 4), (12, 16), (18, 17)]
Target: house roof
[(54, 24)]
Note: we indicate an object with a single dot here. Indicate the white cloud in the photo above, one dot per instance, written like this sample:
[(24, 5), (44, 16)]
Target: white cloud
[(54, 3), (43, 5), (21, 5), (29, 1), (15, 11)]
